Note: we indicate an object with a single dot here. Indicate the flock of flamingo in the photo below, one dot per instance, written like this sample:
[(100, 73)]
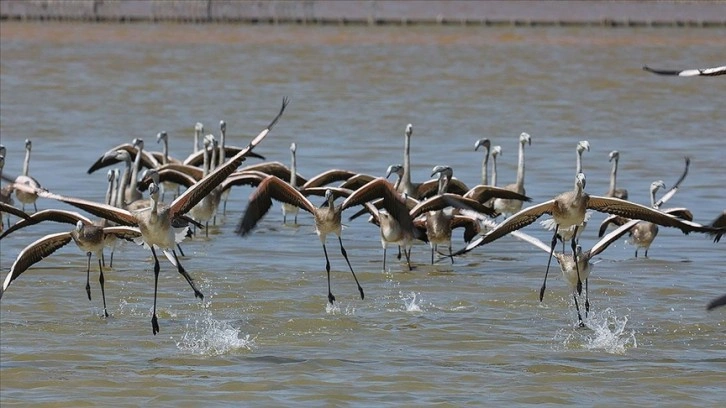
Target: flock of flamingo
[(405, 211)]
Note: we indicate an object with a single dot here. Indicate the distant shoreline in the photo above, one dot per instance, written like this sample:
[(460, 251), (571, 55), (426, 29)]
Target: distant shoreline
[(613, 13)]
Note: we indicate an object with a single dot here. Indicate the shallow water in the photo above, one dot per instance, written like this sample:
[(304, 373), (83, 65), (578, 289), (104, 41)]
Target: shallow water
[(470, 333)]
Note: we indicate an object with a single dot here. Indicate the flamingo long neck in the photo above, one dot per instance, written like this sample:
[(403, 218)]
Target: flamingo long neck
[(613, 176), (520, 169), (121, 187), (110, 190), (398, 181), (135, 169), (579, 190), (293, 169), (165, 151), (26, 163), (494, 170), (652, 197), (214, 158), (406, 179), (196, 139), (444, 183), (579, 161), (484, 166), (114, 191), (222, 153), (205, 165), (154, 213)]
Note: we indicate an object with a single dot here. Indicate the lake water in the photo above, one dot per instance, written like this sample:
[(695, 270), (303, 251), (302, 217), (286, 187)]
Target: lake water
[(471, 333)]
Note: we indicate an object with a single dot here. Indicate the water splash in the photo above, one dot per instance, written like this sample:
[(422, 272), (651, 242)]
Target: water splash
[(208, 336), (123, 306), (334, 309), (607, 333), (410, 302)]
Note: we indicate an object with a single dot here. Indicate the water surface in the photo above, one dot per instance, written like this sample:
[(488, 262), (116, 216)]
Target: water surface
[(470, 333)]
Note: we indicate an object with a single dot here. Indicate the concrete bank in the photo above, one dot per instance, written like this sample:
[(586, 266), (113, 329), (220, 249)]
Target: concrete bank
[(375, 12)]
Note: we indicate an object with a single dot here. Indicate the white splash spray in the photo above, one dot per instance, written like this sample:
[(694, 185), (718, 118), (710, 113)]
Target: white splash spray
[(334, 309), (607, 333), (208, 336), (410, 302)]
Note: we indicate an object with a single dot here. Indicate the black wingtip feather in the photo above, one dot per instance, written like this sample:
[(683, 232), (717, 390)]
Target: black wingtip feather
[(720, 301)]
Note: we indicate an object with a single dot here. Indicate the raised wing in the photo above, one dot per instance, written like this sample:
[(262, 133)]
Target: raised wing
[(68, 217), (441, 201), (673, 190), (123, 232), (7, 208), (532, 240), (608, 239), (688, 72), (115, 214), (261, 200), (719, 301), (203, 187), (632, 210), (33, 253), (329, 176), (167, 174), (147, 160), (513, 223), (484, 193), (243, 178), (275, 169), (392, 201), (719, 223), (196, 159)]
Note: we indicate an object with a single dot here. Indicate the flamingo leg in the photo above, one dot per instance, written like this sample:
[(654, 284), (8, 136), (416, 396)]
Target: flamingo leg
[(88, 276), (577, 265), (186, 276), (549, 261), (102, 280), (579, 317), (587, 300), (331, 298), (154, 320), (384, 258), (345, 255), (408, 257)]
